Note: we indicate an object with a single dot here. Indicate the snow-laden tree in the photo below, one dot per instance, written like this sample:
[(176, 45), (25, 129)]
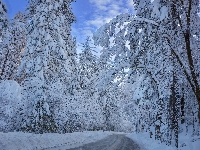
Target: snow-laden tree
[(87, 65), (3, 17), (123, 70), (178, 24), (12, 109), (164, 35), (88, 108), (105, 83), (74, 86), (3, 25), (178, 28), (47, 64), (14, 40)]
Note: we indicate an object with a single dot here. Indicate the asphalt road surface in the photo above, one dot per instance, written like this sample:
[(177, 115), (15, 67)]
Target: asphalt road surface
[(112, 142)]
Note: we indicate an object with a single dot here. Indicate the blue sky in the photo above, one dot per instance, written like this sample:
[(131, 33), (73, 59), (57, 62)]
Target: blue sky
[(90, 14)]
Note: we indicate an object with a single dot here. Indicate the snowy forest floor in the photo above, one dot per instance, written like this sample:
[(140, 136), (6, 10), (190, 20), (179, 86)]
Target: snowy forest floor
[(29, 141)]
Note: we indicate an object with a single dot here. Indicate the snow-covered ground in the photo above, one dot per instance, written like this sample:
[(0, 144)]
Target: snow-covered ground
[(186, 142), (29, 141)]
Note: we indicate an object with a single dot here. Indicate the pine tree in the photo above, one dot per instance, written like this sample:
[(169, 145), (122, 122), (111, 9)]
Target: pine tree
[(46, 65), (110, 72), (14, 40), (3, 25), (3, 17), (87, 64)]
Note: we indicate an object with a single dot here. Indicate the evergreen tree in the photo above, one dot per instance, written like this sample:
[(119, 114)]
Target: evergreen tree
[(87, 65), (3, 18), (3, 25), (47, 65), (14, 40), (108, 75)]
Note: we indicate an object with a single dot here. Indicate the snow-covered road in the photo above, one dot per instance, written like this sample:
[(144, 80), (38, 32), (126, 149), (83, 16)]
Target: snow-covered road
[(92, 140), (112, 142)]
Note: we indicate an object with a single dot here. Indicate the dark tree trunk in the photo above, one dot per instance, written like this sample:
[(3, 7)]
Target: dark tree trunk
[(182, 108), (4, 66), (193, 77), (174, 112), (198, 99)]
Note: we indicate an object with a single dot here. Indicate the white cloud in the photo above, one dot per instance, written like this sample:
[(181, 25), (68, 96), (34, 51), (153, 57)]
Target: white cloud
[(130, 5), (100, 2), (98, 21), (104, 11)]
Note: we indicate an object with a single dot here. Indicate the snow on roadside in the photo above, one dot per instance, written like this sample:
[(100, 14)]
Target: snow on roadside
[(29, 141), (147, 143), (186, 142)]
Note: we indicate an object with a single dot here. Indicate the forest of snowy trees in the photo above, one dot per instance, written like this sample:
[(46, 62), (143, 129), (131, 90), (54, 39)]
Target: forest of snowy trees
[(146, 79)]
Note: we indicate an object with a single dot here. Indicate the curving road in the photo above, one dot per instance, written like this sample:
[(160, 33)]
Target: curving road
[(112, 142)]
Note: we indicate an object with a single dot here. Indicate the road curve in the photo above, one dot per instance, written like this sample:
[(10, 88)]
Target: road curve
[(112, 142)]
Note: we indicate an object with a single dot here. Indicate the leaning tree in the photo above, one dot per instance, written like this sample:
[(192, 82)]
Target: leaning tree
[(163, 36)]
